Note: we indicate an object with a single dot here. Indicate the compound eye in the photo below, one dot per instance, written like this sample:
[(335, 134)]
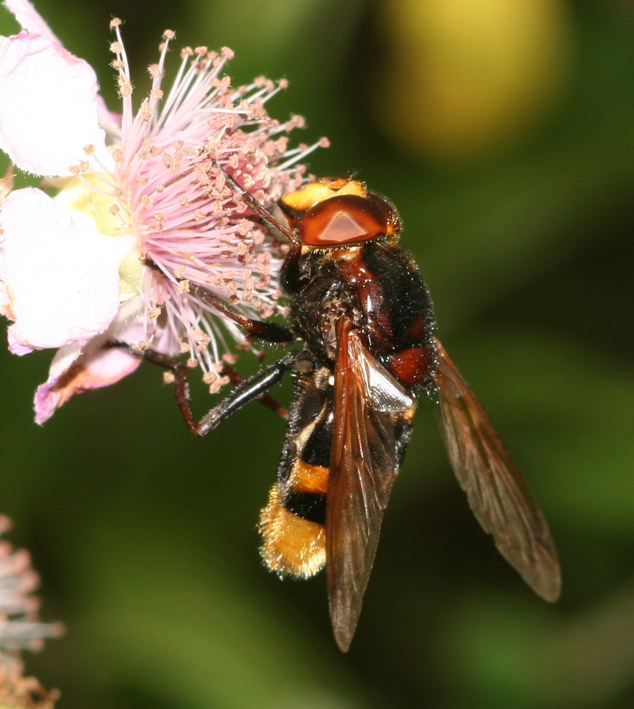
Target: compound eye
[(341, 220)]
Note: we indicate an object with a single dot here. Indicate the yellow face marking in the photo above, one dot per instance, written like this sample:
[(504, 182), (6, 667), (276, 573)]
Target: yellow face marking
[(315, 192), (291, 546)]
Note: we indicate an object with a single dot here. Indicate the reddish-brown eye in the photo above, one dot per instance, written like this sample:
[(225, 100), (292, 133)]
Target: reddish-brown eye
[(344, 219)]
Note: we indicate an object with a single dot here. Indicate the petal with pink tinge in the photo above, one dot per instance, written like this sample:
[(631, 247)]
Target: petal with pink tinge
[(30, 19), (75, 370)]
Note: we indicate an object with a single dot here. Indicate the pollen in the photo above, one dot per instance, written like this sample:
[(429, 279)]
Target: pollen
[(145, 112), (295, 122), (215, 386), (125, 88), (202, 338)]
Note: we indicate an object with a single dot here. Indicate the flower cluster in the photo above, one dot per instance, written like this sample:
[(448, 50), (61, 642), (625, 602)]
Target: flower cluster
[(141, 210), (20, 628)]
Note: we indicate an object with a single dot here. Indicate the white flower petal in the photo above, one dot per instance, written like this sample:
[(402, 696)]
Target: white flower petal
[(61, 279), (30, 19), (48, 106)]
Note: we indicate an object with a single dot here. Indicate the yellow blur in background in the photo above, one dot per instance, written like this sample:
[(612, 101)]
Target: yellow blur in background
[(462, 78)]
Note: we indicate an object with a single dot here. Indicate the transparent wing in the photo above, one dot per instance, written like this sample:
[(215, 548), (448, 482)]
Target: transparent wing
[(497, 493), (363, 468)]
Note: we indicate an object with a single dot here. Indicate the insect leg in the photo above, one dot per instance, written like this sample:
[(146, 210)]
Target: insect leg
[(265, 399), (290, 268), (258, 209), (266, 331), (247, 390)]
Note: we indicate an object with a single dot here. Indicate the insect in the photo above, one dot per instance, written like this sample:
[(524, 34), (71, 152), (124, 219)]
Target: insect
[(364, 323)]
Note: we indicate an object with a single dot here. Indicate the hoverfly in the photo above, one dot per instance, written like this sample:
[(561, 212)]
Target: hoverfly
[(364, 322)]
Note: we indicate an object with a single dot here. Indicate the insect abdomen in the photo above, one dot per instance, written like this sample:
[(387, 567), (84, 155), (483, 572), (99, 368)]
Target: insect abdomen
[(293, 522)]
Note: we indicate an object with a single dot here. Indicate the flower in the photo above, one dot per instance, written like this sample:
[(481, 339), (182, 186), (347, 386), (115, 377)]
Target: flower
[(22, 692), (142, 210), (19, 627)]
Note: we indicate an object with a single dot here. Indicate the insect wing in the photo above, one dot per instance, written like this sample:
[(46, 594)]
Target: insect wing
[(384, 393), (497, 493), (363, 468)]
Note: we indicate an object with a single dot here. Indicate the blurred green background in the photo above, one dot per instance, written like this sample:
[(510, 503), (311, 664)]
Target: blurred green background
[(504, 132)]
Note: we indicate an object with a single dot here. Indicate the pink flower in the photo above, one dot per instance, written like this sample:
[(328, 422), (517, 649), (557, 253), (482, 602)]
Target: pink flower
[(22, 692), (20, 628), (141, 210)]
